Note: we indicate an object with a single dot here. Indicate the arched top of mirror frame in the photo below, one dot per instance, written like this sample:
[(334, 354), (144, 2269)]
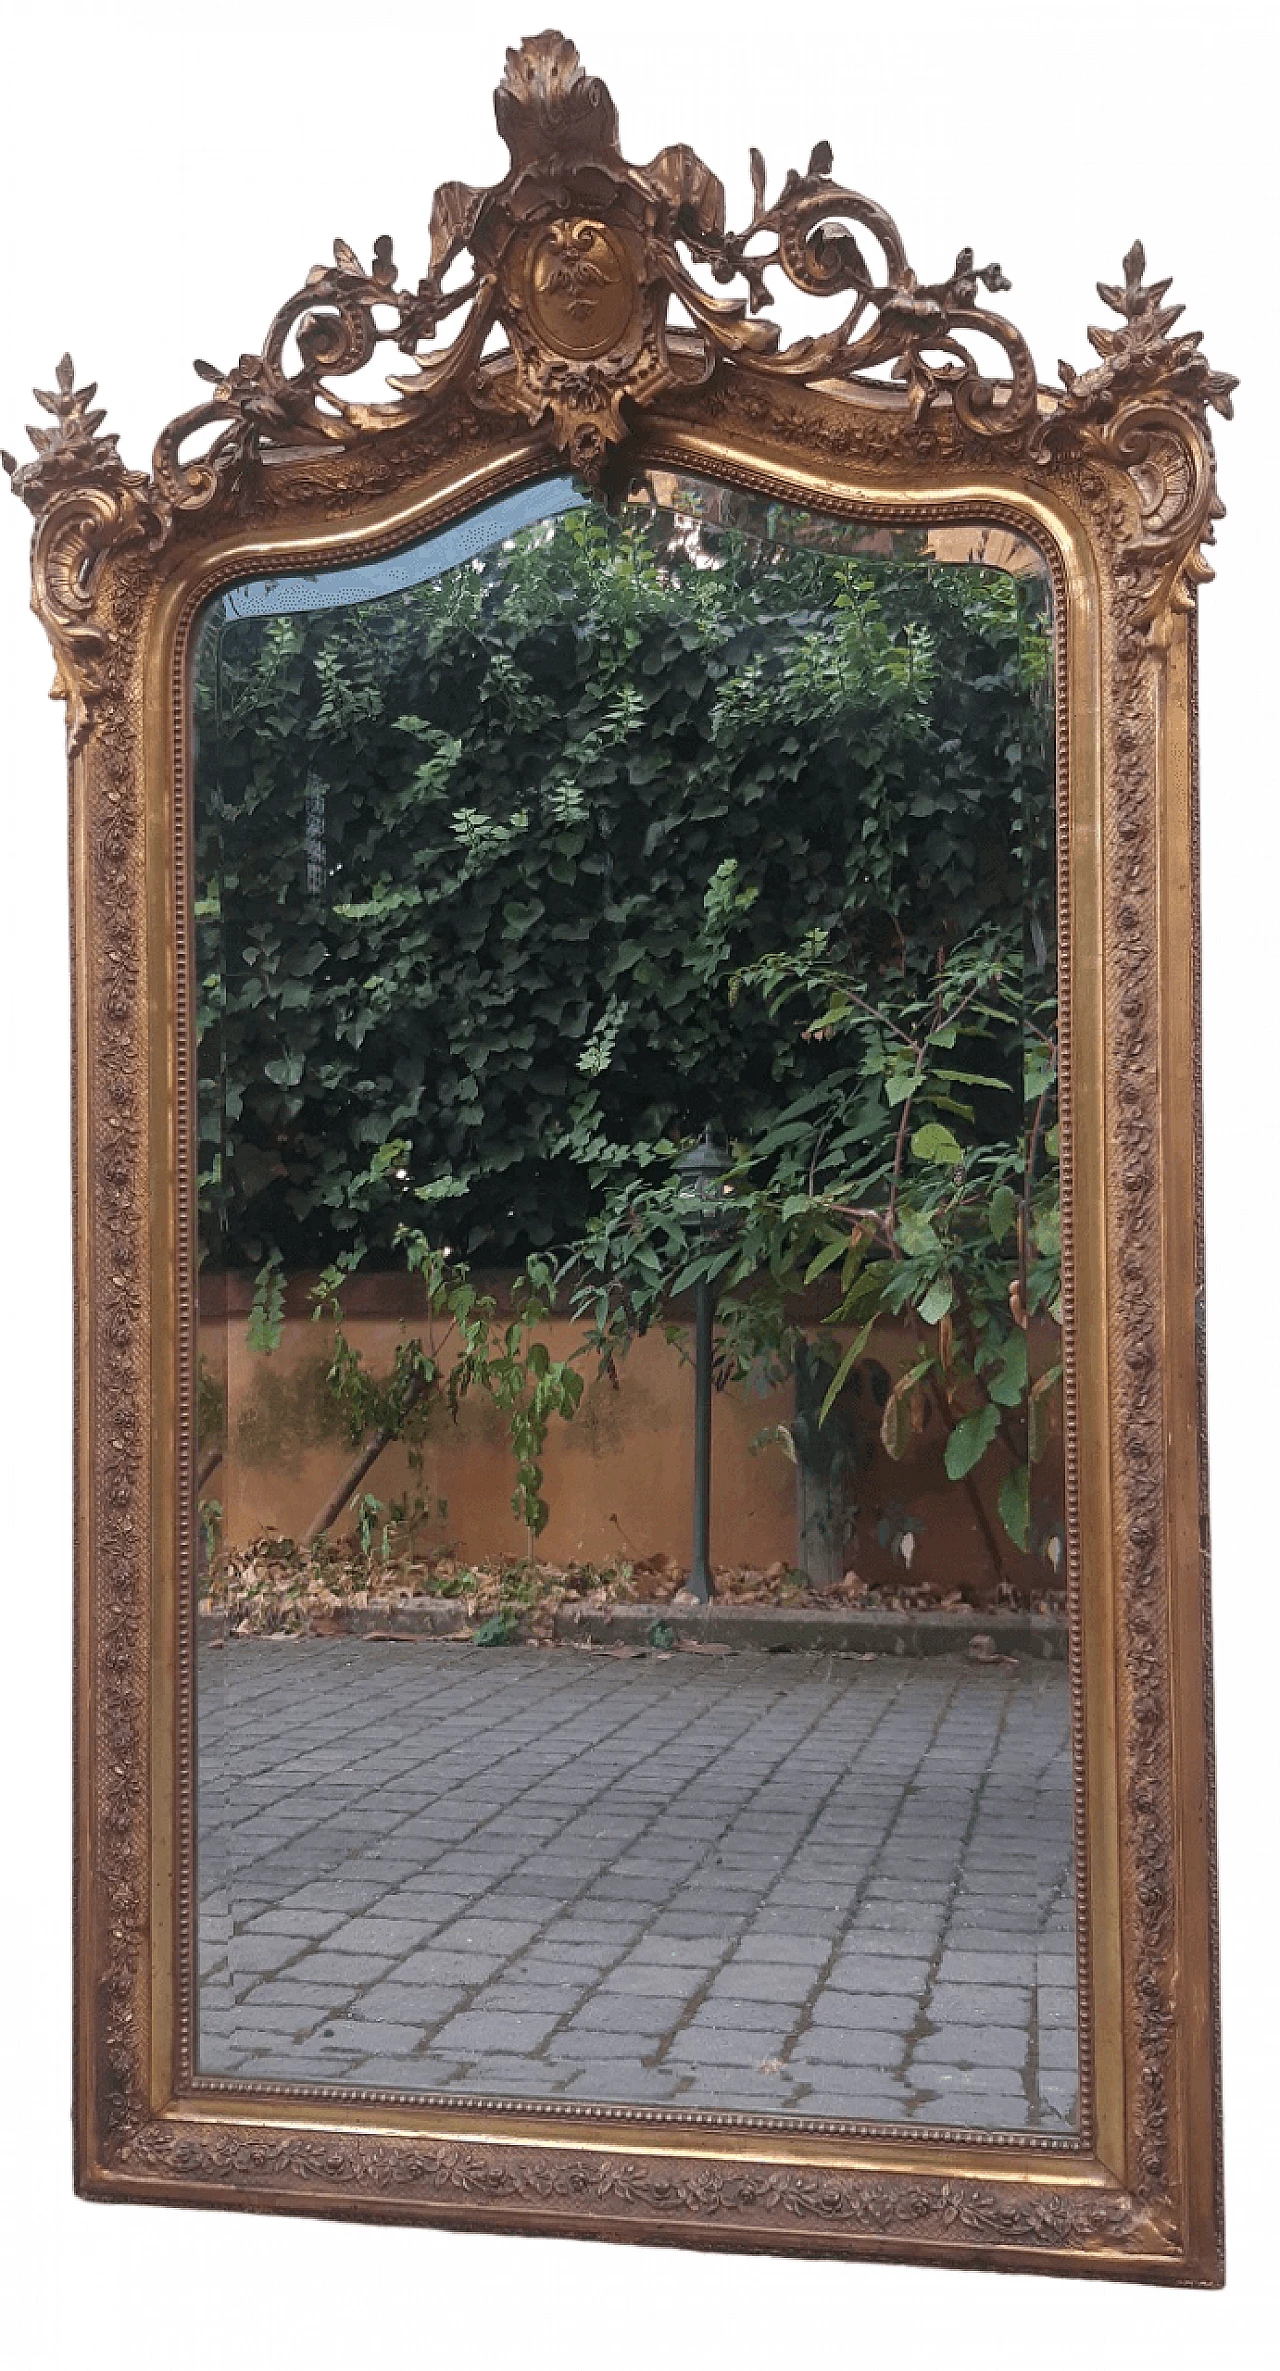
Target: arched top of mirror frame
[(560, 344)]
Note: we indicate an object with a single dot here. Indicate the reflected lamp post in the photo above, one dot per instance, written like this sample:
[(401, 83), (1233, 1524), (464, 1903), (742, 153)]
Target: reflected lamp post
[(704, 1201)]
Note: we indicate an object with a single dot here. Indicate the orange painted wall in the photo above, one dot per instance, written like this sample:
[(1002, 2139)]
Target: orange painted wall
[(618, 1477)]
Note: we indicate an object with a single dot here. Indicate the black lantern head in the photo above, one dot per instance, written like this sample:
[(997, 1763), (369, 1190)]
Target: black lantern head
[(704, 1196)]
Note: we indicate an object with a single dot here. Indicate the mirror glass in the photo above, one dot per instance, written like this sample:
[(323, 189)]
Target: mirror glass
[(631, 1534)]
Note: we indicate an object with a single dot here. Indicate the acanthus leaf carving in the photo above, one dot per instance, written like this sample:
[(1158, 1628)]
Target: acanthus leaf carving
[(1145, 407), (86, 504), (576, 257)]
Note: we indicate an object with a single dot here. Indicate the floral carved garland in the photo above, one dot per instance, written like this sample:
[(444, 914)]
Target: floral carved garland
[(750, 2196)]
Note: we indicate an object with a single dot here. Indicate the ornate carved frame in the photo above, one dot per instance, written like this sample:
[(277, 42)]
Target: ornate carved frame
[(576, 257)]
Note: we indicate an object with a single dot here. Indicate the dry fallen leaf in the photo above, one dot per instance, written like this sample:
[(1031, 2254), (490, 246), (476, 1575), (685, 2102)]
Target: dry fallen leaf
[(272, 1588)]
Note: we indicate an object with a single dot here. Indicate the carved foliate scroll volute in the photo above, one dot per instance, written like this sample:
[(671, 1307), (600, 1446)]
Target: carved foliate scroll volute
[(1146, 408), (576, 258), (583, 254), (86, 504)]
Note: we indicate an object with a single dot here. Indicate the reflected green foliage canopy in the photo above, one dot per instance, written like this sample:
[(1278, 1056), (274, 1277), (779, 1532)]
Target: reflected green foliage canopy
[(479, 862)]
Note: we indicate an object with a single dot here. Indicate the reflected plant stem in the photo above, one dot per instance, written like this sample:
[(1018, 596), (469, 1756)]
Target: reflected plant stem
[(356, 1472)]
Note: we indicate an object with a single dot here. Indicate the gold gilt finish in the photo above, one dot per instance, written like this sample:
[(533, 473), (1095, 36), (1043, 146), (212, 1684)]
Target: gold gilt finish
[(576, 256)]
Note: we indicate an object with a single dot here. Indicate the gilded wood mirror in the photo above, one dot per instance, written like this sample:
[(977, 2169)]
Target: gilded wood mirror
[(642, 1592)]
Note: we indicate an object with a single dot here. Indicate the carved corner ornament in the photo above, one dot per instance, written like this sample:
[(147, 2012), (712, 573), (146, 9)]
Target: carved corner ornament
[(576, 257)]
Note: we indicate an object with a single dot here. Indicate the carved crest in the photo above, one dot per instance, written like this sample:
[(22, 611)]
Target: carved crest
[(576, 258)]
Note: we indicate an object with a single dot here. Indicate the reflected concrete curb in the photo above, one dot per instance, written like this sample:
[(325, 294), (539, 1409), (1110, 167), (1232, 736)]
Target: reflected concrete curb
[(773, 1630), (841, 1631)]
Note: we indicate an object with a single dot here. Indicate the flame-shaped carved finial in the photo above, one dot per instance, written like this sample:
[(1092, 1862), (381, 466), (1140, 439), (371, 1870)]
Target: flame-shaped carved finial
[(546, 105)]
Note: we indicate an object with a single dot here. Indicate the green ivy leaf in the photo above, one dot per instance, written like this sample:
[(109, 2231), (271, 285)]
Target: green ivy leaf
[(826, 1258), (845, 1369), (969, 1441), (1009, 1380), (266, 1311), (937, 1300), (933, 1142), (1038, 1066), (1046, 1234), (1002, 1212), (498, 1631), (916, 1235)]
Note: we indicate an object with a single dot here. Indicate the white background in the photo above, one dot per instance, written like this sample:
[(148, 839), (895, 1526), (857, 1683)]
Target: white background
[(170, 176)]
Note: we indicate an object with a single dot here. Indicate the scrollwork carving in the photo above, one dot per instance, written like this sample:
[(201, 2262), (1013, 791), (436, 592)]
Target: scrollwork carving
[(86, 505), (1145, 407), (576, 256)]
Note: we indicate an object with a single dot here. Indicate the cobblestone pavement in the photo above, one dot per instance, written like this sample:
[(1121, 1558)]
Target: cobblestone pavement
[(774, 1883)]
